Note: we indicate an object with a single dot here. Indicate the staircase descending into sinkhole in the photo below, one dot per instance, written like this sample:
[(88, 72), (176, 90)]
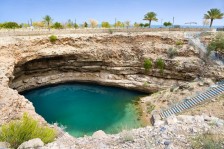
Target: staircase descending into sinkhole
[(185, 104)]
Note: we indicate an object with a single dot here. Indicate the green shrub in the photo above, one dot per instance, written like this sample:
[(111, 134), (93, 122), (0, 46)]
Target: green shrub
[(171, 52), (85, 24), (57, 25), (208, 141), (119, 24), (10, 25), (53, 38), (76, 25), (179, 43), (18, 131), (136, 25), (111, 31), (217, 44), (167, 24), (105, 25), (146, 24), (69, 24), (160, 64), (147, 64), (141, 25)]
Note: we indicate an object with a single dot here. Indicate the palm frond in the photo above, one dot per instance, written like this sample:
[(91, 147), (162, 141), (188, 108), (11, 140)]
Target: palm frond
[(213, 14)]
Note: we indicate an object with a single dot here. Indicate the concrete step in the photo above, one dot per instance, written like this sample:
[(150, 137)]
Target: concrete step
[(175, 109), (183, 107), (196, 100), (221, 89), (169, 111), (193, 102), (216, 91), (180, 107), (210, 94), (200, 99), (178, 110), (203, 96), (189, 104), (172, 111)]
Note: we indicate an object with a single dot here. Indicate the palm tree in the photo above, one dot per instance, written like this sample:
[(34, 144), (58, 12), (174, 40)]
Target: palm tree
[(213, 14), (48, 20), (150, 16)]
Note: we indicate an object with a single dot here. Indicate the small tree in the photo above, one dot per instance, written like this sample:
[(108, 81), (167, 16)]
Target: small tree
[(166, 24), (150, 16), (10, 25), (105, 25), (93, 23), (119, 24), (57, 25), (76, 25), (136, 25), (213, 14), (141, 25), (38, 24), (24, 25), (48, 20), (85, 24), (146, 24), (69, 23), (127, 24)]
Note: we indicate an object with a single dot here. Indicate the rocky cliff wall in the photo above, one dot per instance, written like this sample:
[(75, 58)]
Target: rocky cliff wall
[(114, 60)]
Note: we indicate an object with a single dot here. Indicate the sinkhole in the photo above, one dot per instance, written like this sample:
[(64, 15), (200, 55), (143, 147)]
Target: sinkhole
[(85, 108)]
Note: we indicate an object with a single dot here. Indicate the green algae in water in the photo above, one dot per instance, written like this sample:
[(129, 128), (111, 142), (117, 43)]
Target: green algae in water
[(86, 108)]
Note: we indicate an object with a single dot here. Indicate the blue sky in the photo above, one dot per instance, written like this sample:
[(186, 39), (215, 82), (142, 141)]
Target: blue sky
[(107, 10)]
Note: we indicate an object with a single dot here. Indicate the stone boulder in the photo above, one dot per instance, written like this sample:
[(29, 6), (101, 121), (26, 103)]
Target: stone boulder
[(99, 134), (4, 145), (171, 120), (34, 143)]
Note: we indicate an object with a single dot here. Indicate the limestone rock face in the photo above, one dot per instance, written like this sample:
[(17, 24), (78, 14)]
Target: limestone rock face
[(31, 144)]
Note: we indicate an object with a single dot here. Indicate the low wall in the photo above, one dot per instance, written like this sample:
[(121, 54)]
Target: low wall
[(29, 32)]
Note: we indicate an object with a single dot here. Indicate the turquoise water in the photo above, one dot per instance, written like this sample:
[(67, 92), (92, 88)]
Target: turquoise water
[(86, 108)]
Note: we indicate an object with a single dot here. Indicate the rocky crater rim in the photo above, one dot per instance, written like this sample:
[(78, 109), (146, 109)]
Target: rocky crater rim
[(112, 60)]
